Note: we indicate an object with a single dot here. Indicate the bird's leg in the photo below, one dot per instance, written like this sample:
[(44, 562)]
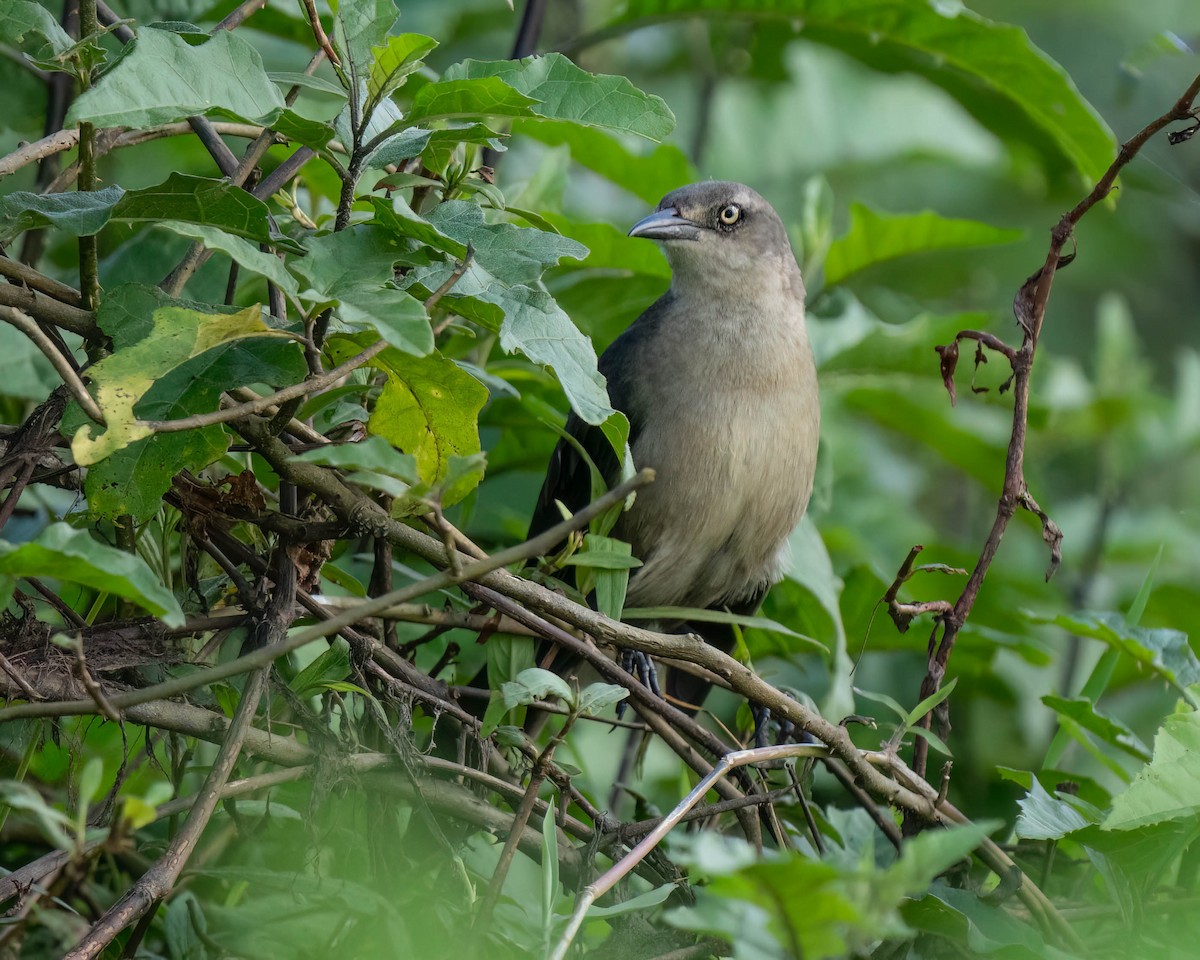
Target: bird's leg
[(787, 729), (641, 665)]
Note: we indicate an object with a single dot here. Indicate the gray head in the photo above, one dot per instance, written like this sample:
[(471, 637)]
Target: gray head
[(722, 233)]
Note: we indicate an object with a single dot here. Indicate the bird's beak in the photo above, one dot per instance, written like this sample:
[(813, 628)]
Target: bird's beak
[(666, 225)]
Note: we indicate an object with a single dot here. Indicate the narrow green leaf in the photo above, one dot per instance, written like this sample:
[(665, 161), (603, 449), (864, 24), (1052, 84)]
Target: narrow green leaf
[(61, 552), (931, 701)]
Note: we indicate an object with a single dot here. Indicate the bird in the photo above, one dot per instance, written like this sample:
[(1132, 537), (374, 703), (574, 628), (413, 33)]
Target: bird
[(718, 382)]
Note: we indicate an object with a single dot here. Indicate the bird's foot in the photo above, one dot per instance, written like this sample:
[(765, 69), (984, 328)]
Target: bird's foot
[(641, 665), (763, 724)]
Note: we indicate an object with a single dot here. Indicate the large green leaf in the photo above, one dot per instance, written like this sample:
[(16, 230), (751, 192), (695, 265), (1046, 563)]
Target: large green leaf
[(484, 96), (120, 380), (992, 69), (648, 176), (1168, 787), (165, 79), (428, 408), (133, 480), (878, 237), (63, 553), (187, 199), (353, 269), (559, 90)]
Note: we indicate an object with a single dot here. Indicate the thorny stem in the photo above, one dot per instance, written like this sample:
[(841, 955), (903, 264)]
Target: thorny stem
[(1030, 309)]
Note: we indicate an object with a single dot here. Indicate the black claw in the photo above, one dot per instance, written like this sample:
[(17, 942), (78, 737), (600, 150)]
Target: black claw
[(642, 666), (762, 725)]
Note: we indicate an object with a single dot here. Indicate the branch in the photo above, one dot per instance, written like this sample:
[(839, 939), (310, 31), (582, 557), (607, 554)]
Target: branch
[(24, 275), (62, 366), (611, 877), (1030, 309), (47, 310), (478, 569)]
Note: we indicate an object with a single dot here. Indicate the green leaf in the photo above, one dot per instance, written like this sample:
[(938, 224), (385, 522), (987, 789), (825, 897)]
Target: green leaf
[(20, 18), (484, 97), (400, 146), (133, 480), (292, 79), (1168, 787), (394, 61), (562, 91), (358, 27), (534, 684), (648, 176), (992, 69), (1044, 817), (963, 918), (1082, 711), (187, 199), (61, 552), (119, 380), (330, 667), (609, 562), (651, 898), (536, 326), (357, 258), (52, 823), (429, 408), (164, 79), (931, 701), (244, 252), (372, 461), (510, 253), (718, 616), (878, 237), (597, 696), (398, 317), (78, 214), (1165, 652), (507, 656)]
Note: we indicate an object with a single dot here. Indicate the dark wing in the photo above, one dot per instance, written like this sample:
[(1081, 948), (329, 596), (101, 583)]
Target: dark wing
[(568, 478)]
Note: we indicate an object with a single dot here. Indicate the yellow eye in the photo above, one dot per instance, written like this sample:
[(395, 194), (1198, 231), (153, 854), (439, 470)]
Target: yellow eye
[(731, 214)]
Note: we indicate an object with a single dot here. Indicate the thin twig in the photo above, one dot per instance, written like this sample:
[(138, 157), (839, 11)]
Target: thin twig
[(369, 608), (611, 877), (47, 310), (1030, 309), (62, 366), (25, 275)]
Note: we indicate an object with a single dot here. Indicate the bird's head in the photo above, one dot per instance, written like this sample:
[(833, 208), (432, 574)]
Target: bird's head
[(721, 233)]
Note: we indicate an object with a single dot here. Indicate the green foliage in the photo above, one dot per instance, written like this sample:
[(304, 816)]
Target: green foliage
[(485, 289)]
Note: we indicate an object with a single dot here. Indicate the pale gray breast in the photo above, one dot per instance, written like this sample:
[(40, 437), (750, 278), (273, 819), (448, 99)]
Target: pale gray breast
[(731, 425)]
